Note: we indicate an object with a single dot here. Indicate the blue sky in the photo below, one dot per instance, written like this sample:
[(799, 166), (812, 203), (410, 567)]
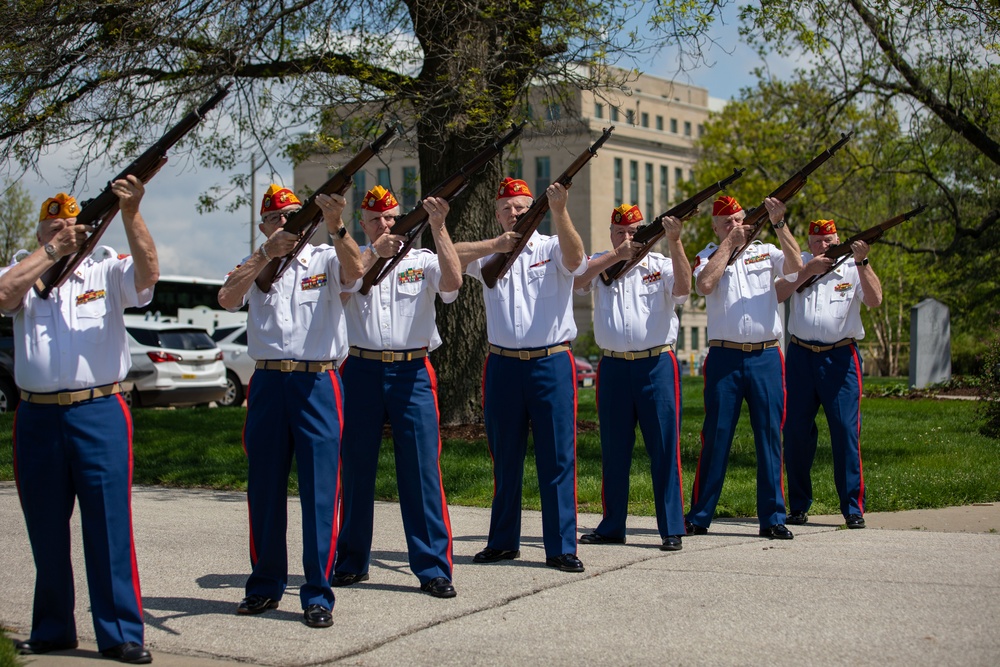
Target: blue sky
[(210, 245)]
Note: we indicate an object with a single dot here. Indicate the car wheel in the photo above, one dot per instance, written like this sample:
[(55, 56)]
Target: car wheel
[(131, 397), (234, 392), (9, 395)]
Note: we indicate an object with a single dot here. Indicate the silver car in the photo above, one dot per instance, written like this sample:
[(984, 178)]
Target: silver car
[(232, 340), (173, 364)]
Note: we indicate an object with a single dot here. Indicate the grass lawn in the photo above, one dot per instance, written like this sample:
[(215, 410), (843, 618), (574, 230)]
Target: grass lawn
[(917, 454)]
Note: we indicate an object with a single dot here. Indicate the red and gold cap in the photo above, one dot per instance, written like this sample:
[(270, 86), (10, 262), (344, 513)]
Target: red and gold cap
[(378, 199), (513, 187), (822, 227), (277, 198), (725, 205), (626, 214), (60, 206)]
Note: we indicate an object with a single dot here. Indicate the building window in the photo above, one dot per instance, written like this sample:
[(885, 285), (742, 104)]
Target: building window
[(690, 174), (678, 178), (618, 182), (633, 182), (630, 116), (644, 119), (552, 112), (515, 168), (543, 178), (701, 130), (664, 187), (409, 188), (694, 338), (680, 338), (673, 125), (687, 128), (598, 110), (357, 196), (382, 178), (614, 113), (650, 214), (659, 123)]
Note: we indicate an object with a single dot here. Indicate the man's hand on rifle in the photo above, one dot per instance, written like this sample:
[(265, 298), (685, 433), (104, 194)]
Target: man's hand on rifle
[(558, 197), (70, 238), (816, 266), (437, 209), (672, 226), (279, 244), (506, 242), (860, 250), (775, 209), (129, 191), (737, 236), (332, 206), (388, 245)]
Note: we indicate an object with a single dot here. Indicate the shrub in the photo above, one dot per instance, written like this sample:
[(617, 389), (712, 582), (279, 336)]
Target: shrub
[(989, 389)]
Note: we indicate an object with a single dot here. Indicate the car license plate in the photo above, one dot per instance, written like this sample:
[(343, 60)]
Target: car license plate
[(588, 382), (189, 376)]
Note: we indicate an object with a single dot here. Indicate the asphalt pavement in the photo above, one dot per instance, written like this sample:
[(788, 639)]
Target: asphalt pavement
[(918, 595)]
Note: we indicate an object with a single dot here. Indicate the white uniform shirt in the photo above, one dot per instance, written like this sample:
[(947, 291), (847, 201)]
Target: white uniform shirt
[(531, 306), (398, 313), (830, 309), (636, 312), (743, 308), (76, 338), (301, 316)]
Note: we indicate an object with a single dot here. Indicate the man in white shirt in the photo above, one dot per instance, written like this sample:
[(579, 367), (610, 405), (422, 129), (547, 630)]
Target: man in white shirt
[(297, 333), (73, 430), (530, 375), (638, 380), (388, 376), (744, 361), (824, 368)]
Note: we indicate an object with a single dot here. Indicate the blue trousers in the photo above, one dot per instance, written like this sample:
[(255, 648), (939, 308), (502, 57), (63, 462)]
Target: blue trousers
[(644, 392), (732, 376), (541, 392), (301, 414), (831, 379), (81, 451), (405, 394)]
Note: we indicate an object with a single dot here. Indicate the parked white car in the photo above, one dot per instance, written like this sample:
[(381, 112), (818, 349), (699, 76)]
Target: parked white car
[(232, 340), (173, 364)]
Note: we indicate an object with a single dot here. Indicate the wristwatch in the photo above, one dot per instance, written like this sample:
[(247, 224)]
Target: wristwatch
[(50, 250), (342, 232), (864, 262), (779, 224)]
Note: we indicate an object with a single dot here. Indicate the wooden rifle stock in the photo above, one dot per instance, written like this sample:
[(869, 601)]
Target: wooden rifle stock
[(101, 210), (304, 221), (842, 251), (412, 224), (649, 235), (758, 216), (496, 267)]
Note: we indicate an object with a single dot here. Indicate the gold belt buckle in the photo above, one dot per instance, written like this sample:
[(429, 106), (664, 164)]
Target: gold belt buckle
[(65, 398), (815, 348), (286, 365), (388, 357), (747, 347), (629, 356), (524, 355)]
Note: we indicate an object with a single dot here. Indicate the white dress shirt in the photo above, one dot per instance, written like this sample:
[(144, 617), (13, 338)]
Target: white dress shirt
[(636, 312), (301, 317), (76, 338), (829, 310), (398, 313), (531, 306), (743, 308)]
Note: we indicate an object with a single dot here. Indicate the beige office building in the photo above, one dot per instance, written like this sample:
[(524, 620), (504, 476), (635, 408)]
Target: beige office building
[(649, 153)]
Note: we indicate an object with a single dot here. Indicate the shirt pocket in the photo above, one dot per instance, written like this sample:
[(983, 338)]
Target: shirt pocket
[(840, 303), (651, 296), (91, 318), (759, 276), (407, 296), (542, 281)]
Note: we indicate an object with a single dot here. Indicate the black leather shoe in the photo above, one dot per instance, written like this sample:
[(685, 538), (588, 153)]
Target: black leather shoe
[(40, 646), (797, 518), (855, 521), (439, 587), (317, 616), (129, 652), (348, 578), (672, 543), (776, 532), (694, 529), (490, 555), (597, 538), (256, 604), (566, 563)]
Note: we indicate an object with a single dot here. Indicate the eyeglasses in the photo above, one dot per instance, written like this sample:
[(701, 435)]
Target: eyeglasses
[(275, 217)]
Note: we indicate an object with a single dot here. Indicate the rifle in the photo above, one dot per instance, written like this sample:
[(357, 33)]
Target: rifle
[(496, 267), (758, 216), (304, 221), (649, 235), (412, 224), (869, 236), (101, 210)]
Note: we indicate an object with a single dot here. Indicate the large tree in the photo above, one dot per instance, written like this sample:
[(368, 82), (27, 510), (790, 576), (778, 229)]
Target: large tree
[(17, 231), (108, 75)]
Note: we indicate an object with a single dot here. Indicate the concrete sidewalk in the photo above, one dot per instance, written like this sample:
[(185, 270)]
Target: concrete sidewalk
[(916, 596)]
